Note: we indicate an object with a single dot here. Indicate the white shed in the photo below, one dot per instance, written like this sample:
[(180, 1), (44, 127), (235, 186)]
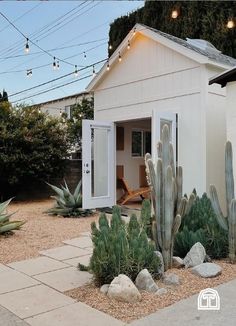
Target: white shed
[(154, 78)]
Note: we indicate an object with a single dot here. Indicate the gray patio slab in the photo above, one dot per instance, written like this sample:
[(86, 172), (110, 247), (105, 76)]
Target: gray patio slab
[(32, 301), (7, 318), (84, 260), (11, 280), (85, 234), (4, 268), (81, 242), (65, 252), (65, 279), (185, 312), (75, 314), (37, 265)]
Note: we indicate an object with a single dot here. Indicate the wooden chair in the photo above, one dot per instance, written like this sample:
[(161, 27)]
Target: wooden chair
[(130, 194)]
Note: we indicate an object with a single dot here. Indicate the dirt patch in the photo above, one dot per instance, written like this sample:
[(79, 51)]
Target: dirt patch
[(190, 284), (40, 232)]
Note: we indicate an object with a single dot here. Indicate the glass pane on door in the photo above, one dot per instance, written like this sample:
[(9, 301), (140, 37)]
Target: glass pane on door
[(100, 157), (169, 124)]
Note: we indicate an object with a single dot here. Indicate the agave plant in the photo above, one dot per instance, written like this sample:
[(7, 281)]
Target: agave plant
[(68, 204), (5, 224)]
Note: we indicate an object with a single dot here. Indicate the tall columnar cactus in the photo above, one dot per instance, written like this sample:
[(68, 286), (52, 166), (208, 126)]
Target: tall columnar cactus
[(169, 203), (228, 223)]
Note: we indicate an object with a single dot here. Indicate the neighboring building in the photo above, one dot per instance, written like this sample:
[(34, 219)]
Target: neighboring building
[(158, 79), (227, 79), (62, 105)]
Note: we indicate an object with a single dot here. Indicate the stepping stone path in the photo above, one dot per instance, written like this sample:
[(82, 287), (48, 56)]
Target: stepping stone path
[(31, 291)]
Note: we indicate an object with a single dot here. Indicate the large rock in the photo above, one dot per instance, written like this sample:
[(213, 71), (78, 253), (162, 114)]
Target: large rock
[(177, 262), (207, 270), (195, 256), (171, 279), (144, 281), (161, 268), (123, 289)]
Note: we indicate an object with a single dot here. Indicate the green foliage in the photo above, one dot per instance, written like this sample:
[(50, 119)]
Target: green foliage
[(68, 204), (121, 249), (4, 96), (33, 146), (79, 111), (197, 19), (5, 224), (200, 225)]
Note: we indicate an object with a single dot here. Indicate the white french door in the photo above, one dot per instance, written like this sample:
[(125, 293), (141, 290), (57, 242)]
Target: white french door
[(159, 119), (98, 164)]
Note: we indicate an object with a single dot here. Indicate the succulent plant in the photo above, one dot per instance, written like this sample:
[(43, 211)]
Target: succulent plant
[(5, 224), (68, 204), (169, 204), (228, 222)]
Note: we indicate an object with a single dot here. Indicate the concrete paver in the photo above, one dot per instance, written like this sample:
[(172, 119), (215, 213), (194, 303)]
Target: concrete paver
[(81, 242), (65, 252), (65, 279), (75, 314), (11, 280), (75, 261), (37, 265), (85, 234), (32, 301), (185, 312), (7, 318), (4, 268)]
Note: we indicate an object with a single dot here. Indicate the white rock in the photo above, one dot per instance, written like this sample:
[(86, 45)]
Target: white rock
[(177, 262), (104, 288), (161, 291), (144, 281), (161, 269), (207, 270), (195, 256), (123, 289), (171, 279)]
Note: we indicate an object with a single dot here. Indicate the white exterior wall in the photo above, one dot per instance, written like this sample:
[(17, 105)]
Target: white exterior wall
[(216, 135), (231, 119), (153, 77)]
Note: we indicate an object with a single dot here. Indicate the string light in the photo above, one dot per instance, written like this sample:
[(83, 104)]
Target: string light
[(39, 110), (54, 65), (230, 23), (29, 73), (94, 72), (174, 13), (76, 71), (85, 56), (108, 66), (128, 46), (27, 45), (120, 57), (60, 112), (58, 65), (134, 31), (109, 46)]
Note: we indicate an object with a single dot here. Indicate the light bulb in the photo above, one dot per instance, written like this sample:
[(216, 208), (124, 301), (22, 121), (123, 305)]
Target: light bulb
[(58, 65), (29, 73), (27, 46), (76, 71), (85, 56), (54, 66), (120, 57), (108, 66), (128, 46), (134, 31), (110, 46), (94, 72), (174, 14), (39, 110), (60, 112), (230, 24)]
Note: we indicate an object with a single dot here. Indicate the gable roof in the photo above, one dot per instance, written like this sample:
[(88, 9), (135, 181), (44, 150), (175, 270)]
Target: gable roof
[(224, 78), (202, 56)]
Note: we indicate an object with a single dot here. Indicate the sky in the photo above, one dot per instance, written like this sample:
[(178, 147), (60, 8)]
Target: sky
[(76, 26)]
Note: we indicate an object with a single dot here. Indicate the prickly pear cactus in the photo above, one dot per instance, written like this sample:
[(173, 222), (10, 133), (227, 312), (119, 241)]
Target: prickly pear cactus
[(166, 182), (228, 223)]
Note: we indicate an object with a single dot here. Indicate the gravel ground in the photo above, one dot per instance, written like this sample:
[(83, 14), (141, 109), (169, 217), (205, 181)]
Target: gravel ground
[(40, 232), (190, 284)]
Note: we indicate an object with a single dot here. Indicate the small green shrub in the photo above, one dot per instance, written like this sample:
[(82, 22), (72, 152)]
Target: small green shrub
[(68, 204), (121, 248), (5, 224), (200, 225)]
